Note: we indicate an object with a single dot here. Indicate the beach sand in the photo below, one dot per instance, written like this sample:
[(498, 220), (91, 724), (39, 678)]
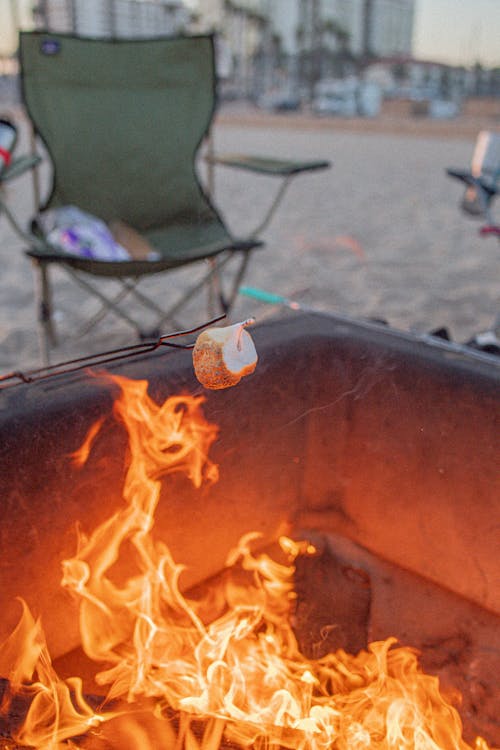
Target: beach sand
[(380, 234)]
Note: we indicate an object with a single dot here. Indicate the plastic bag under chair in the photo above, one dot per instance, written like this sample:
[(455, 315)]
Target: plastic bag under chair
[(78, 233)]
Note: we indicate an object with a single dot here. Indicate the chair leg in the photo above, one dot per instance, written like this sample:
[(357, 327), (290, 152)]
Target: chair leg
[(214, 296), (104, 310), (46, 331), (228, 301), (131, 287), (272, 209), (168, 315), (109, 303)]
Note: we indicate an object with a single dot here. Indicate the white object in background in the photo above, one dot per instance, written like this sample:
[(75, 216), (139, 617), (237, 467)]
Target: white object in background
[(486, 156), (369, 99), (443, 109)]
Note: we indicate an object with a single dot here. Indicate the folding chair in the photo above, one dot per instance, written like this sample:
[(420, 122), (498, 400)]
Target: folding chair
[(481, 180), (122, 122), (481, 187)]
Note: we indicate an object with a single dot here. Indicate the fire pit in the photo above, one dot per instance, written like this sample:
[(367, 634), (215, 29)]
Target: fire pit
[(375, 447)]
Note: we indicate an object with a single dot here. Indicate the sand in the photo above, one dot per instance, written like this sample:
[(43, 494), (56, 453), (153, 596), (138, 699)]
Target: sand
[(379, 235)]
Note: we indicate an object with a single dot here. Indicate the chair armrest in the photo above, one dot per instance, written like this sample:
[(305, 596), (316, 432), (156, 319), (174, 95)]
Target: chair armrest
[(468, 179), (264, 165), (20, 165), (267, 165)]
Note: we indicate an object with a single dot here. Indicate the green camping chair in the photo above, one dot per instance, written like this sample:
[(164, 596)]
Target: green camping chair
[(122, 122)]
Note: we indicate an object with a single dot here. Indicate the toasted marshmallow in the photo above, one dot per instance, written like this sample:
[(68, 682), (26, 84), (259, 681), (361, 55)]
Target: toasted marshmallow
[(223, 356)]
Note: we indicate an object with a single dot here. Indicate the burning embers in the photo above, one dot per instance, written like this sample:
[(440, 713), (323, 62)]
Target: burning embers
[(203, 671)]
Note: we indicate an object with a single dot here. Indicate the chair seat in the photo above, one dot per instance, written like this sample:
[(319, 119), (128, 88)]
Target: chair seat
[(178, 245)]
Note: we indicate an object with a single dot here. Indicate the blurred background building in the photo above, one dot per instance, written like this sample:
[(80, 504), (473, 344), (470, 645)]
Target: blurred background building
[(292, 44), (329, 56), (113, 18)]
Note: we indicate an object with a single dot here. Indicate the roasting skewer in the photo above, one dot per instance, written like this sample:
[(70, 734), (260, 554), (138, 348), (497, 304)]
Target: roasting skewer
[(102, 358), (221, 356)]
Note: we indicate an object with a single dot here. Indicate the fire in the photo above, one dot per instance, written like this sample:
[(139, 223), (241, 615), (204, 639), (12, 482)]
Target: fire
[(58, 709), (206, 671)]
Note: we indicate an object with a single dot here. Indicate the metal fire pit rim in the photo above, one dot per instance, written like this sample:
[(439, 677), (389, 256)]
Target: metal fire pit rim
[(379, 328)]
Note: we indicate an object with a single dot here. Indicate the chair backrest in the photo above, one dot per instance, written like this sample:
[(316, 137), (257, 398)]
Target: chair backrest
[(122, 121)]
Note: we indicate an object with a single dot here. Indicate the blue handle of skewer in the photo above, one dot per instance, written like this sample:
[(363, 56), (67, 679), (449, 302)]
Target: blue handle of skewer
[(262, 296)]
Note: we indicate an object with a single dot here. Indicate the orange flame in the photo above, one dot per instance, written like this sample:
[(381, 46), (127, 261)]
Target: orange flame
[(57, 709), (230, 659), (80, 456)]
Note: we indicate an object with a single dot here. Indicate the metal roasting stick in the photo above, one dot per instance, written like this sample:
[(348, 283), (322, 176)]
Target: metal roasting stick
[(102, 358), (271, 298)]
